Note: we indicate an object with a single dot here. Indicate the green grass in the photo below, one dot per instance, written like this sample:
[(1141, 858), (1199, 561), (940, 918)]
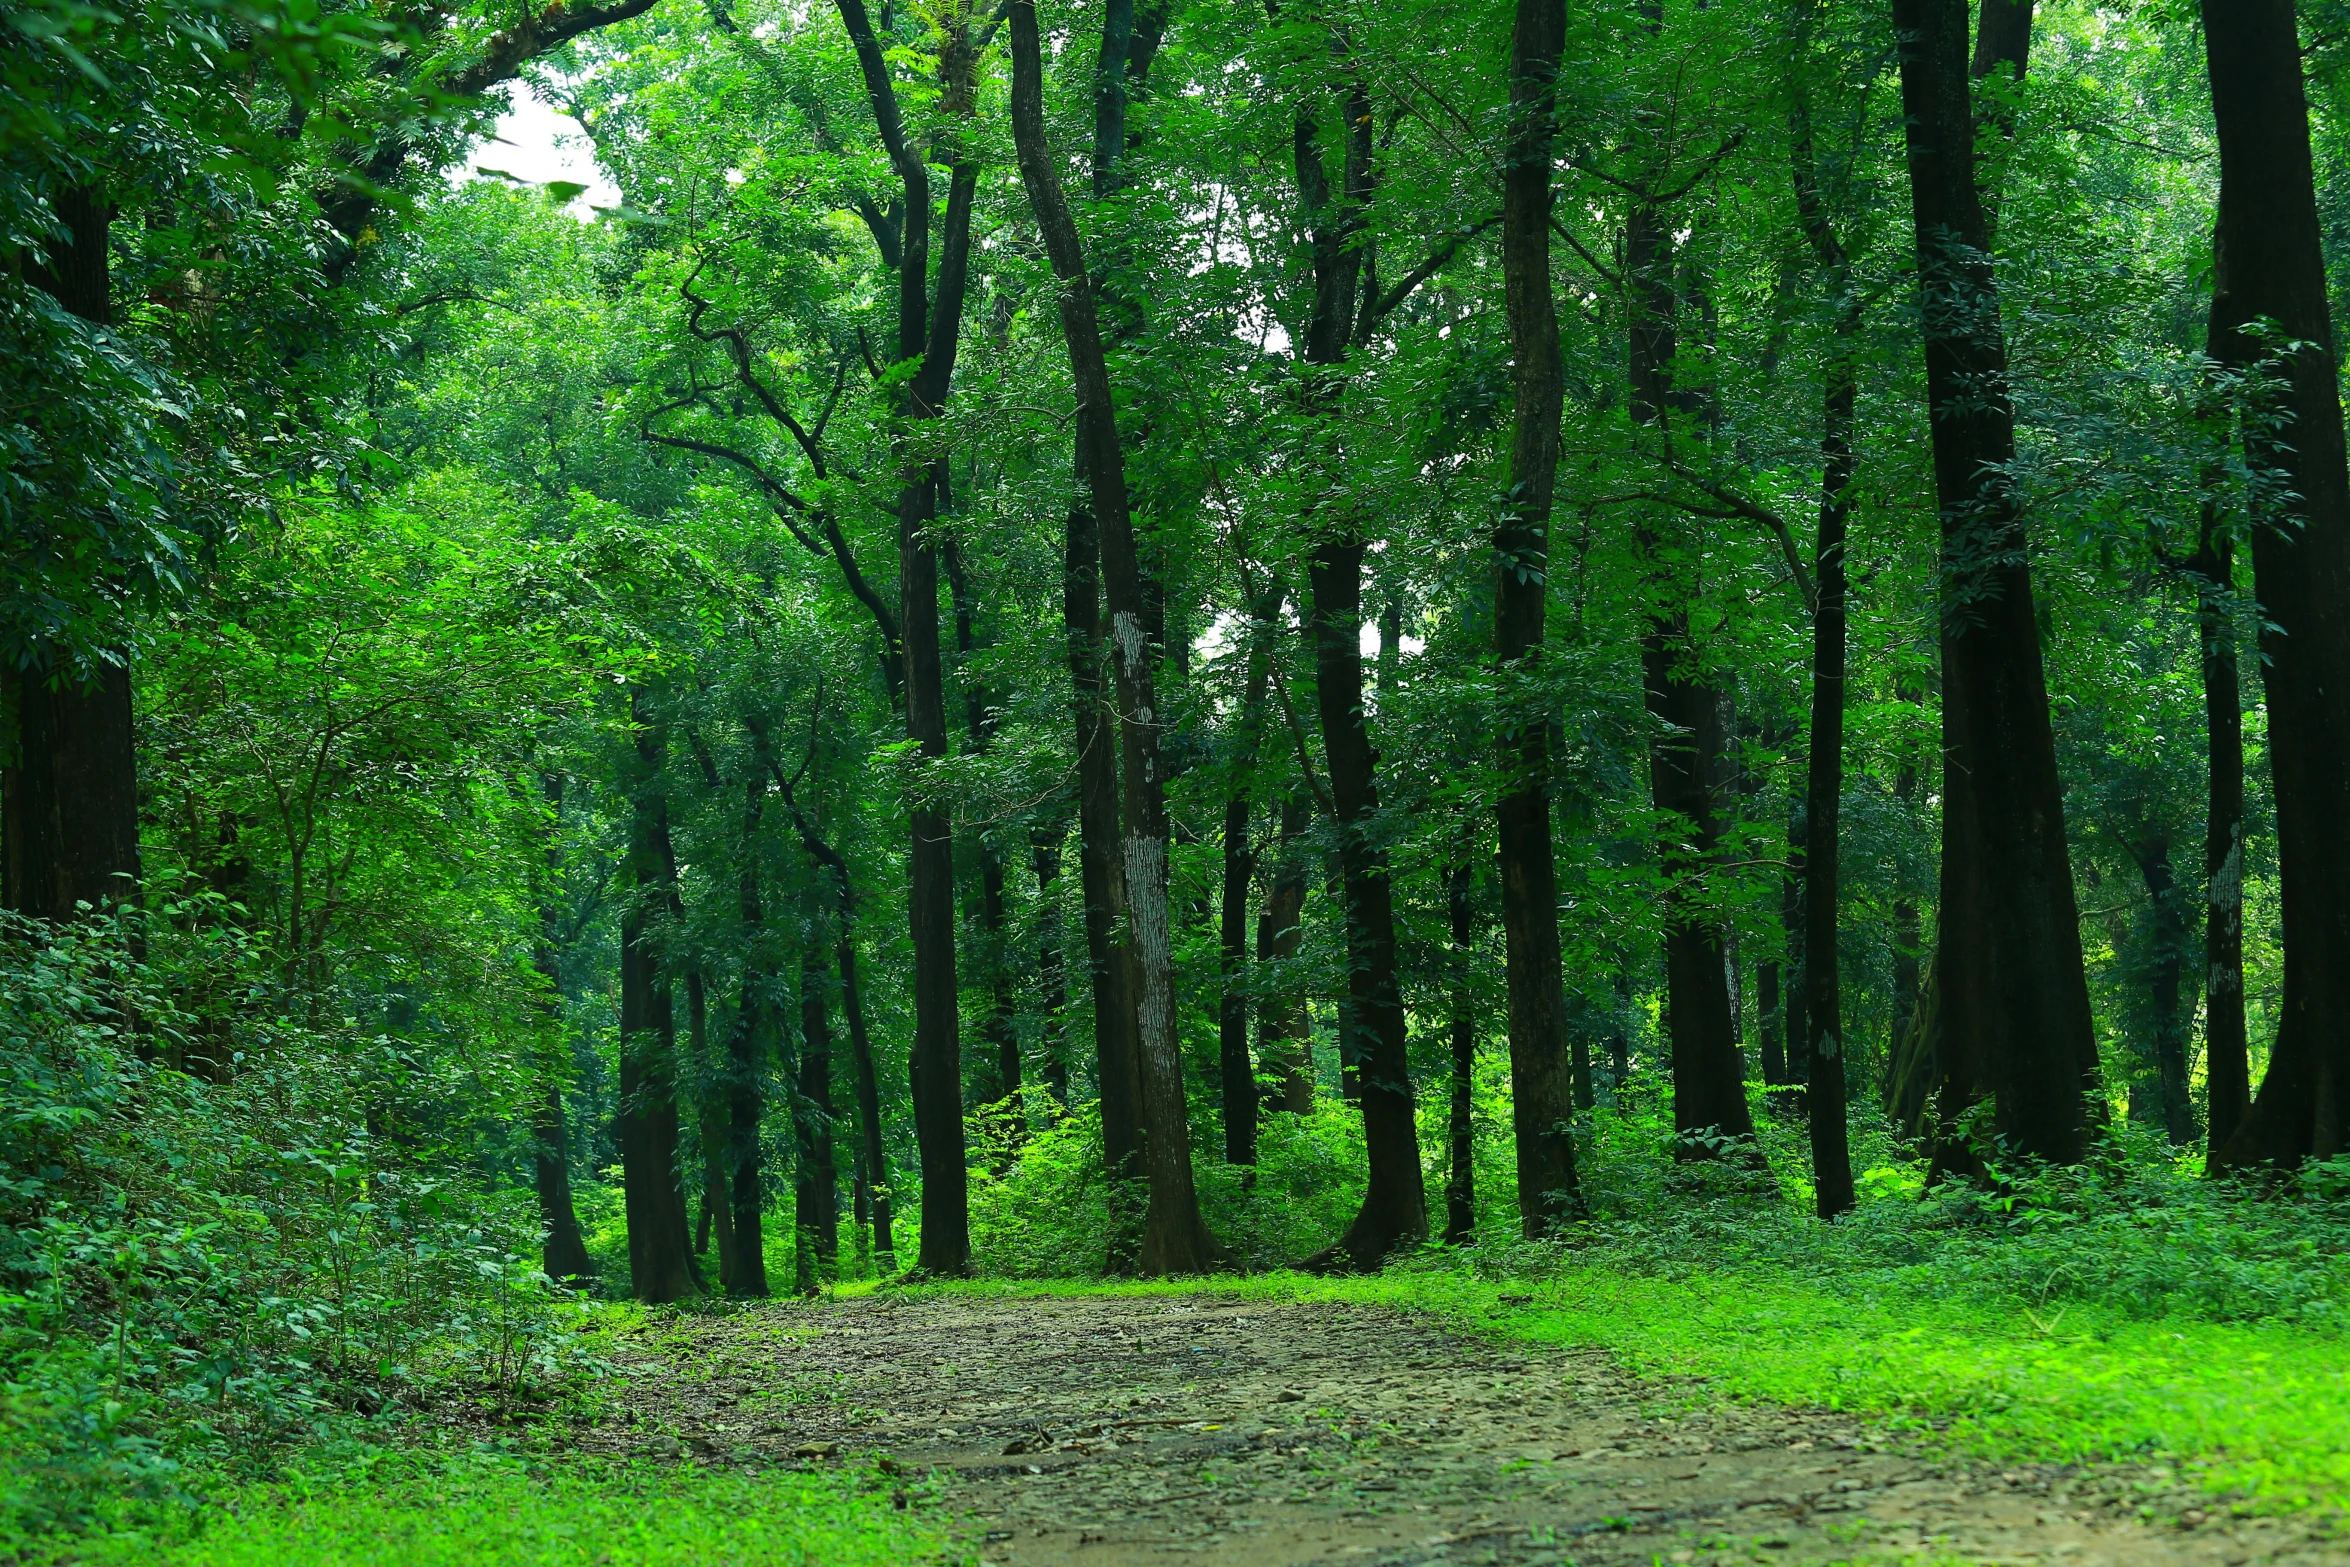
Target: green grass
[(2258, 1407), (573, 1513)]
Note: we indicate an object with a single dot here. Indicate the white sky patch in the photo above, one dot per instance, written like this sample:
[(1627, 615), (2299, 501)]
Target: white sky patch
[(538, 144)]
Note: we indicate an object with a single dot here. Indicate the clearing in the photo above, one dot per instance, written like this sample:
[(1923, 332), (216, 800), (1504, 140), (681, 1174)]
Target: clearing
[(1106, 1429)]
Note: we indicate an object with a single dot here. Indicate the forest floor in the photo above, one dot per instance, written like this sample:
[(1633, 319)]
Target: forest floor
[(1099, 1429)]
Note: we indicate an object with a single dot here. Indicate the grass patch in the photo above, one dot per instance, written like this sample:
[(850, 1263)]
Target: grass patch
[(574, 1513)]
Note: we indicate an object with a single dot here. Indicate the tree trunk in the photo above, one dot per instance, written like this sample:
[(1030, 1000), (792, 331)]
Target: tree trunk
[(69, 796), (1795, 999), (2172, 1105), (563, 1252), (2227, 1071), (1831, 1155), (1542, 1077), (1284, 1038), (875, 1150), (936, 1063), (1051, 972), (816, 1182), (1768, 1023), (1686, 750), (1395, 1204), (2015, 999), (745, 1265), (1460, 1186), (1174, 1238), (1002, 1018), (660, 1261), (1240, 1078), (717, 1207), (72, 807), (2273, 267)]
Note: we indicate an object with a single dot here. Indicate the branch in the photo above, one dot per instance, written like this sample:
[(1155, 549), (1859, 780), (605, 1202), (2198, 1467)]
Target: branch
[(1614, 278), (1305, 757), (1734, 504), (1428, 268)]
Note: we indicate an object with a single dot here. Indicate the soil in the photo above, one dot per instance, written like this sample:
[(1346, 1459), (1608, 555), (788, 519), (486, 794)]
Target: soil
[(1100, 1431)]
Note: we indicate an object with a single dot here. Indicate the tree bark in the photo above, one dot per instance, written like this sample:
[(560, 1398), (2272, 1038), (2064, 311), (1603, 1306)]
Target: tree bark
[(717, 1206), (745, 1264), (1003, 1033), (936, 1064), (1174, 1239), (660, 1262), (1284, 1040), (2274, 268), (1240, 1078), (2015, 1000), (563, 1251), (2227, 1071), (72, 825), (1831, 1154), (69, 796), (816, 1183), (1542, 1076), (1460, 1185), (1686, 749), (2172, 1107), (1052, 981)]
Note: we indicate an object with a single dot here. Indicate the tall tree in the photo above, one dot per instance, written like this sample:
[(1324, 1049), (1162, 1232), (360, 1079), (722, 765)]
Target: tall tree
[(1239, 1074), (1831, 1155), (1542, 1106), (2274, 271), (1174, 1238), (931, 337), (660, 1258), (1372, 1028), (2014, 995)]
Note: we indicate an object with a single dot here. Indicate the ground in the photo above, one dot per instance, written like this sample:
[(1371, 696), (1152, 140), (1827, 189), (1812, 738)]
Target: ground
[(1101, 1429)]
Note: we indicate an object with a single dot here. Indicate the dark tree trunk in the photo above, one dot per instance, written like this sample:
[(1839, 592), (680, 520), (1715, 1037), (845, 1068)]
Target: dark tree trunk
[(2015, 1000), (1371, 1025), (1284, 1039), (1460, 1186), (1542, 1075), (1117, 1060), (1052, 981), (2172, 1106), (816, 1181), (1766, 1006), (1831, 1155), (936, 1059), (2227, 1070), (717, 1205), (563, 1253), (745, 1263), (1795, 999), (1240, 1078), (1002, 1019), (660, 1261), (1686, 751), (873, 1150), (2273, 266), (1395, 1204), (1907, 938), (72, 807), (1174, 1239)]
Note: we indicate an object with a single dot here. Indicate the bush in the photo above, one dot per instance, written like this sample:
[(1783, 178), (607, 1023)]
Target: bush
[(203, 1262)]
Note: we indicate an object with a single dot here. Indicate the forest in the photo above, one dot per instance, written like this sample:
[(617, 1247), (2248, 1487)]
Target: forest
[(1662, 679)]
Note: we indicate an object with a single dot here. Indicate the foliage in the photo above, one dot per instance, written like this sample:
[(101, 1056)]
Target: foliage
[(213, 1246)]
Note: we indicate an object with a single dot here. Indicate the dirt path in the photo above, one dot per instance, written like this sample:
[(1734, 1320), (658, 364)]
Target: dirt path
[(1097, 1432)]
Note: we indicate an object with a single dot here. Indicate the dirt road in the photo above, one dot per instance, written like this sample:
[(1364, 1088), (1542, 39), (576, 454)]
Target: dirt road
[(1101, 1431)]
